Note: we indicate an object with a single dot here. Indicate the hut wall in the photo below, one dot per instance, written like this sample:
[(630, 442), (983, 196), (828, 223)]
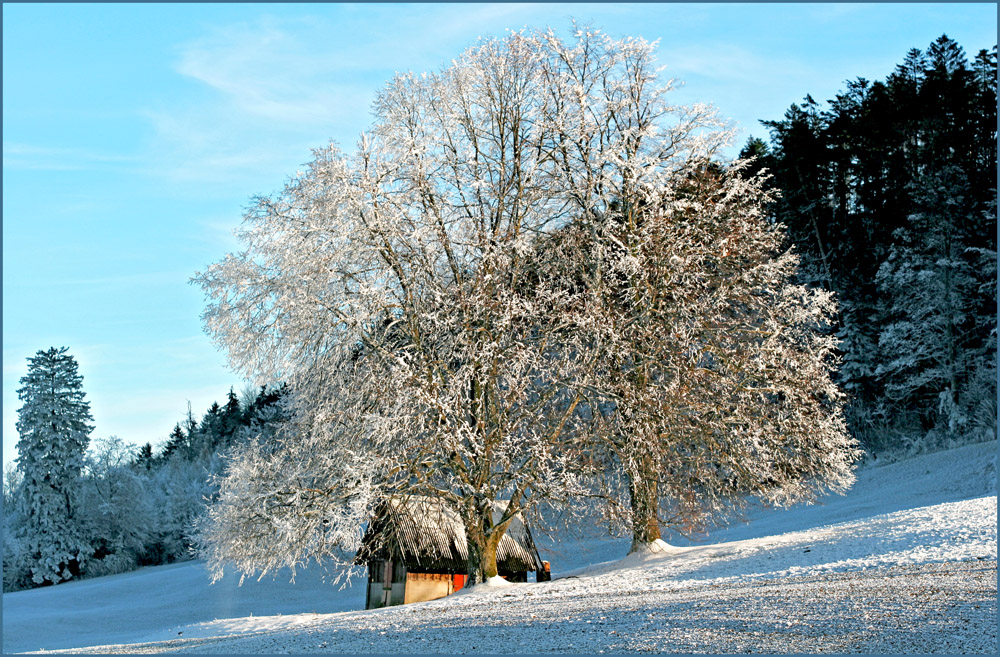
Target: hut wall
[(427, 586)]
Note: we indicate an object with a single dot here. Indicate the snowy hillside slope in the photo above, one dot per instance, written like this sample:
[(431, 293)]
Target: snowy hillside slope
[(906, 561), (947, 476)]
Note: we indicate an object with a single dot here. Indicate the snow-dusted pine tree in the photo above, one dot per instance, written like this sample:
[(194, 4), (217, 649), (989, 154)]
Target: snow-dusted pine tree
[(54, 428), (931, 280)]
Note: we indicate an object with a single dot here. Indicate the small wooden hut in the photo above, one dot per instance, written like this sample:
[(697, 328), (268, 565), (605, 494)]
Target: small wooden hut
[(415, 550)]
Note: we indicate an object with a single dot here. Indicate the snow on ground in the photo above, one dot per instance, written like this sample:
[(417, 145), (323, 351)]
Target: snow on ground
[(157, 603), (947, 476), (905, 562)]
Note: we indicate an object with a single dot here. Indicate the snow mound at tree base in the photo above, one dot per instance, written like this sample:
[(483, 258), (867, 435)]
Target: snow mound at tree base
[(496, 581), (647, 552), (659, 546), (656, 551), (492, 583)]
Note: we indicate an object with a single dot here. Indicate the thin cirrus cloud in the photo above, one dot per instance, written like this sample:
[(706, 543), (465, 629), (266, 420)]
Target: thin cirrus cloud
[(130, 280), (202, 146), (732, 74), (267, 98), (264, 72), (274, 87), (42, 158), (728, 63)]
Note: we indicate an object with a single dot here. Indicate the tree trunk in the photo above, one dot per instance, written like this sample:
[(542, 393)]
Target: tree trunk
[(645, 504), (482, 549), (489, 563), (476, 541)]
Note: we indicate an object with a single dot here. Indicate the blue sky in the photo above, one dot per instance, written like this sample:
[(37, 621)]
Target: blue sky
[(134, 136)]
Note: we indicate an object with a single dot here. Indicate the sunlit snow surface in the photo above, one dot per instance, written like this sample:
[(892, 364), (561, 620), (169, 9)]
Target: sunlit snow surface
[(776, 583)]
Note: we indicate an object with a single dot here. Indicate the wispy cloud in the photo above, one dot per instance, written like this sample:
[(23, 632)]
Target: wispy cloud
[(729, 76), (212, 145), (130, 280), (42, 158), (264, 70), (455, 26), (721, 62), (272, 88)]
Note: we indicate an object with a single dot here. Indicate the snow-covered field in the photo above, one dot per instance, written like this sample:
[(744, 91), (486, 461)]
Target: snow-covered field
[(905, 562)]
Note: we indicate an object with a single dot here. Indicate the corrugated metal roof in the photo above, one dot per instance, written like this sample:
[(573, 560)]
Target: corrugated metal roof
[(429, 533)]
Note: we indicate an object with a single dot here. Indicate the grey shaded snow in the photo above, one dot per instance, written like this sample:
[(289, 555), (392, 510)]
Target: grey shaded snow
[(905, 562)]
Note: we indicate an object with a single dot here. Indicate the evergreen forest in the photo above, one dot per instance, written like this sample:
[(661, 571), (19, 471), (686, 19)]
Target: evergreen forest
[(888, 193), (126, 506)]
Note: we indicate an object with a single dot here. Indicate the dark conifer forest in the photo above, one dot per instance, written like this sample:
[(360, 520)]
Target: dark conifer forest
[(888, 193)]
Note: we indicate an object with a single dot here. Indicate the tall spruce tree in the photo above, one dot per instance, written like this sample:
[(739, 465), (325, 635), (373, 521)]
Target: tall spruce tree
[(177, 443), (54, 424)]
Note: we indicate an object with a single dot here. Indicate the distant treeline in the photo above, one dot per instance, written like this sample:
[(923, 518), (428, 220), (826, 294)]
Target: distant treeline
[(133, 507), (889, 196)]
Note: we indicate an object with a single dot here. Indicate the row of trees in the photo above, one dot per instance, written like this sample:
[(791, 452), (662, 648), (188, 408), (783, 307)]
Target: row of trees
[(530, 285), (889, 195), (76, 508)]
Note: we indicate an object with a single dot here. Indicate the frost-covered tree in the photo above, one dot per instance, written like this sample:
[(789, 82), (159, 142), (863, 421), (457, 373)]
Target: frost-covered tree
[(932, 283), (54, 428), (116, 507), (718, 372), (179, 490), (398, 292), (15, 566), (12, 479), (716, 379), (383, 288)]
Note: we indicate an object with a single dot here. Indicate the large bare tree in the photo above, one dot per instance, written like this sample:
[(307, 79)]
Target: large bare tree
[(472, 306), (384, 287), (717, 367), (716, 383)]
